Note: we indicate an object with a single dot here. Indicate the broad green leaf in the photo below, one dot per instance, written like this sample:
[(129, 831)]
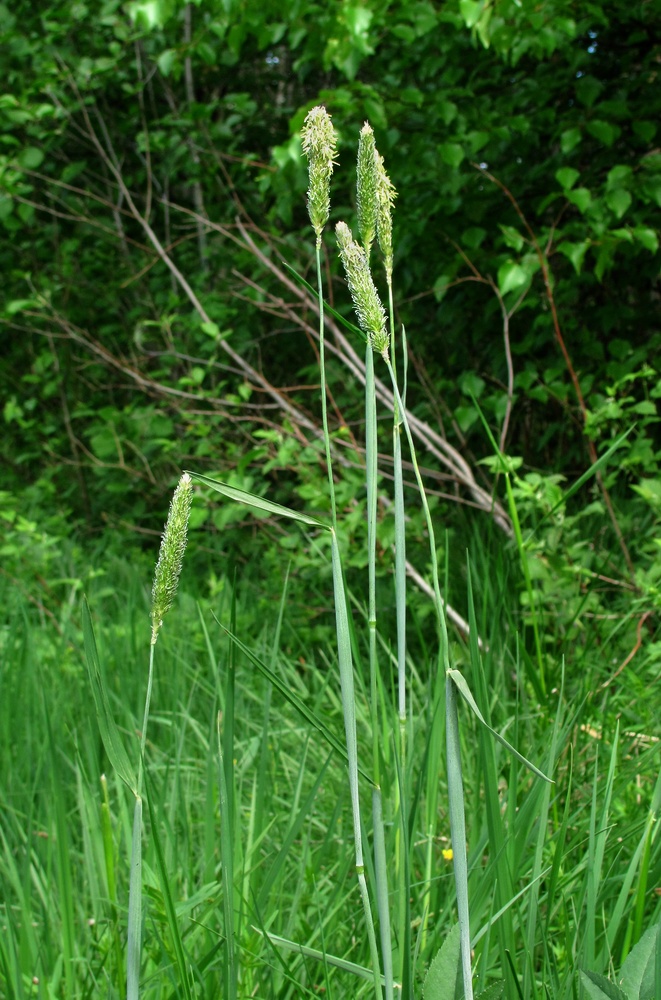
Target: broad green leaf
[(599, 988), (588, 89), (513, 237), (441, 286), (567, 177), (471, 11), (575, 252), (31, 158), (637, 974), (570, 139), (511, 276), (619, 176), (166, 61), (460, 683), (580, 197), (257, 502), (648, 238), (211, 329), (493, 992), (618, 201), (623, 234), (451, 153), (604, 131), (148, 15), (443, 979), (112, 741)]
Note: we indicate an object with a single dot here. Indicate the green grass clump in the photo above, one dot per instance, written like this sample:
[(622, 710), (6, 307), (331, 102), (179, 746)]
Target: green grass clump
[(359, 811)]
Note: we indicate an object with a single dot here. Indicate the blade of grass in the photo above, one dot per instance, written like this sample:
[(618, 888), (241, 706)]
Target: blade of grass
[(227, 870), (292, 698)]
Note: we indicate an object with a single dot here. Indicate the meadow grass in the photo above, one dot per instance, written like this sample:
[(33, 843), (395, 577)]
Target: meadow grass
[(361, 816)]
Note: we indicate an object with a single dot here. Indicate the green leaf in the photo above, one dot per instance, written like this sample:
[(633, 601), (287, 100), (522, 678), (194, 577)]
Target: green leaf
[(471, 11), (112, 741), (604, 131), (443, 978), (166, 61), (460, 683), (647, 237), (511, 276), (257, 502), (451, 153), (567, 177), (619, 176), (211, 329), (513, 237), (580, 197), (31, 158), (599, 988), (493, 992), (569, 139), (575, 252), (618, 201), (637, 973), (588, 89), (441, 286)]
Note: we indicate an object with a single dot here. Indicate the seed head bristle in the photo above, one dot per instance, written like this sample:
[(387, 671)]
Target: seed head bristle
[(366, 189), (369, 310), (386, 194), (320, 146), (171, 554)]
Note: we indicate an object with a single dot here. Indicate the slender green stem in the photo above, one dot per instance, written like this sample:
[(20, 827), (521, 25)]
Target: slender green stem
[(134, 932), (371, 475), (438, 600), (135, 882), (382, 895), (458, 827), (145, 718), (349, 712), (458, 831), (401, 865)]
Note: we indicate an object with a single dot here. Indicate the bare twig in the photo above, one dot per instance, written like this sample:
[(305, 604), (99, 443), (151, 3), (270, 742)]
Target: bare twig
[(548, 286)]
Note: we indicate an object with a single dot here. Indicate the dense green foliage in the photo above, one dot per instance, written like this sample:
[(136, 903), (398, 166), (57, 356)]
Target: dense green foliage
[(151, 184)]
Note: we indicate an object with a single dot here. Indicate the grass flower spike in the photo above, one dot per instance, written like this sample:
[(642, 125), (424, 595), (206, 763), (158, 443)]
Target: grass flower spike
[(371, 314), (171, 554), (366, 200), (386, 194), (319, 145)]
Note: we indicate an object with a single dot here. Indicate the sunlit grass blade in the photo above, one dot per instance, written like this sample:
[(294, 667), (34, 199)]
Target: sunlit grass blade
[(164, 878), (293, 832), (227, 873), (360, 971), (63, 868), (289, 694), (465, 692), (257, 502), (112, 741), (134, 934), (458, 831)]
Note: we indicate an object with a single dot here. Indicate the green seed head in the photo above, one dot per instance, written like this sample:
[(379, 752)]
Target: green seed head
[(320, 146), (386, 194), (171, 554), (371, 314), (367, 187)]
